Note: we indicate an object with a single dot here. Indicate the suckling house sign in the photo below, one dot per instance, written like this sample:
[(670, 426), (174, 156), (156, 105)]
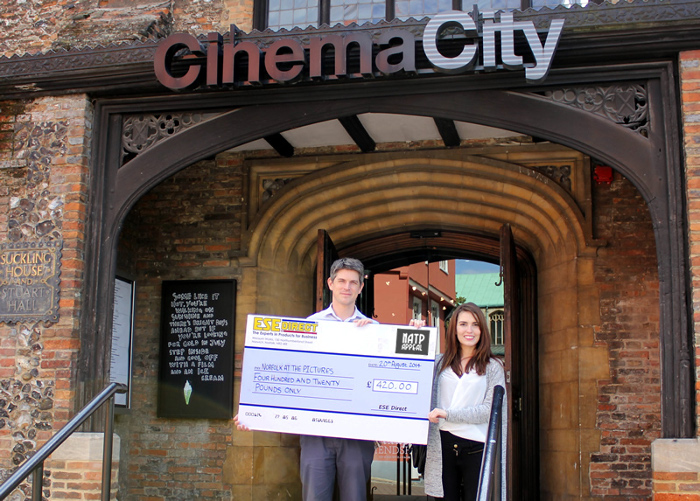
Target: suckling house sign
[(288, 59)]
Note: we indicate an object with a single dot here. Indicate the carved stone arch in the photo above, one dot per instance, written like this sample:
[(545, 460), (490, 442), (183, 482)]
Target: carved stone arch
[(378, 198), (380, 195)]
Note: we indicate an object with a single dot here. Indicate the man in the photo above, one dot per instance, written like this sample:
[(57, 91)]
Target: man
[(323, 459)]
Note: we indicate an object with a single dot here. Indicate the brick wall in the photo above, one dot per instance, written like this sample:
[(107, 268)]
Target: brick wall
[(238, 12), (676, 486), (67, 24), (188, 227), (63, 24), (44, 153), (629, 405), (76, 468), (676, 466), (690, 85), (198, 17), (677, 463)]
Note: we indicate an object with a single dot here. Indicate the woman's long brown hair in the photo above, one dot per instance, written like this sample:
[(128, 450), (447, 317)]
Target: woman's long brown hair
[(482, 351)]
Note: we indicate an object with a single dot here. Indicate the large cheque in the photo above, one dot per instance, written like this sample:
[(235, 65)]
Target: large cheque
[(336, 379)]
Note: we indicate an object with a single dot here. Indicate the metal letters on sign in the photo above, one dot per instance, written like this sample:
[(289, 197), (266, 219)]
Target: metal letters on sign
[(29, 281), (183, 62)]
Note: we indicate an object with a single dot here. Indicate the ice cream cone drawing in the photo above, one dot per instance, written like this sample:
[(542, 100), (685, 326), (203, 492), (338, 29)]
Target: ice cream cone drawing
[(188, 392)]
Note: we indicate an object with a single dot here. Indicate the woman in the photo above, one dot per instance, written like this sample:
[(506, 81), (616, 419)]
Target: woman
[(466, 376)]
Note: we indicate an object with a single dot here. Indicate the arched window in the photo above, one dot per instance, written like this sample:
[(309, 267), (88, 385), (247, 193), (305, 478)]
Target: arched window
[(496, 325), (435, 313), (276, 14), (417, 309)]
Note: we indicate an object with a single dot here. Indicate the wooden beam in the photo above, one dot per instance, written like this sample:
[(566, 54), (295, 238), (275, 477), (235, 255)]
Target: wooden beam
[(448, 131), (358, 133), (280, 144)]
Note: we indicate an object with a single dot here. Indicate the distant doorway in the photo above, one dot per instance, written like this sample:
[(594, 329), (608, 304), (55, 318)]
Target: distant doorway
[(393, 473)]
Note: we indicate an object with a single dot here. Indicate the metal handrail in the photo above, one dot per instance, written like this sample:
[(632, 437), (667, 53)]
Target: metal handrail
[(35, 465), (491, 462)]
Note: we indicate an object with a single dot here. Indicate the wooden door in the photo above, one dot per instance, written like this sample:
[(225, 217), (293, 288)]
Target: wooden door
[(326, 254), (509, 275), (520, 329), (365, 301)]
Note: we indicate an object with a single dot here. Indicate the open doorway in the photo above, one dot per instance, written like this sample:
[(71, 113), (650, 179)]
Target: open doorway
[(414, 275), (429, 291)]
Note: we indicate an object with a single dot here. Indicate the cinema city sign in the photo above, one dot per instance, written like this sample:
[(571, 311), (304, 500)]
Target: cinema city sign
[(286, 59)]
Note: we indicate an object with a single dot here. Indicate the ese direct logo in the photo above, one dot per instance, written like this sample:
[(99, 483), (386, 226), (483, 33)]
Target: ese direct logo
[(268, 324)]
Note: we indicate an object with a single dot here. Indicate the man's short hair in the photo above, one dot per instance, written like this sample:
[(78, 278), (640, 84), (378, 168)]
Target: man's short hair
[(348, 263)]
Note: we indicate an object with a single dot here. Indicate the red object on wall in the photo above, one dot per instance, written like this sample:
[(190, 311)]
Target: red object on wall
[(603, 174)]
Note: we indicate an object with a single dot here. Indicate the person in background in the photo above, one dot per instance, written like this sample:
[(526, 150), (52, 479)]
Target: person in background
[(465, 378)]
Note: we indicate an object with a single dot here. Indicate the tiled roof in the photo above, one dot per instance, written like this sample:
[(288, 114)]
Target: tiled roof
[(480, 288)]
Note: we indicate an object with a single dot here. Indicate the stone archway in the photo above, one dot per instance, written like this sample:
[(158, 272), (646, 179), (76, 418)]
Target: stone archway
[(374, 197), (648, 162)]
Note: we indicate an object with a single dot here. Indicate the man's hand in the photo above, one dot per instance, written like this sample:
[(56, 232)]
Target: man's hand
[(240, 426), (436, 414), (418, 323), (361, 322)]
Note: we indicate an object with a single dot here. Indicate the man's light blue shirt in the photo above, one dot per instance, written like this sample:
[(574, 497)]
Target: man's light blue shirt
[(329, 314)]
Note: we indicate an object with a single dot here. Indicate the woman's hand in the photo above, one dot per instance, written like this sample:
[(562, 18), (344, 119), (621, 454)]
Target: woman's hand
[(436, 414), (240, 426), (417, 323)]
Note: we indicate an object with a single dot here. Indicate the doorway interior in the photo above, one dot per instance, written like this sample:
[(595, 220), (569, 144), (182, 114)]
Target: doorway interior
[(384, 209), (424, 250), (429, 291)]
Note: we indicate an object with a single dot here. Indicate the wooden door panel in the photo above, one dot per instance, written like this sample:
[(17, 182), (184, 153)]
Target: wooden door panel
[(509, 270), (326, 254)]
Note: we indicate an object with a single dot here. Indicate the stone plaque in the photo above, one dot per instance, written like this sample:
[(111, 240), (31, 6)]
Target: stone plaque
[(29, 281)]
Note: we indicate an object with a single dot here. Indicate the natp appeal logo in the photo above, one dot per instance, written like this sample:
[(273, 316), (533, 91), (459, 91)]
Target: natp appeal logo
[(412, 341)]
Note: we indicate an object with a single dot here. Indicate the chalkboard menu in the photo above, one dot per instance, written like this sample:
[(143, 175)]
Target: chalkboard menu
[(196, 349)]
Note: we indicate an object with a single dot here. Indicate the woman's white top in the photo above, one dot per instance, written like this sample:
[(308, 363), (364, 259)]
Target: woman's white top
[(457, 393)]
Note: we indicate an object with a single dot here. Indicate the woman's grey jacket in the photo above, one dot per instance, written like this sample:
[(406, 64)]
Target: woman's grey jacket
[(474, 415)]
